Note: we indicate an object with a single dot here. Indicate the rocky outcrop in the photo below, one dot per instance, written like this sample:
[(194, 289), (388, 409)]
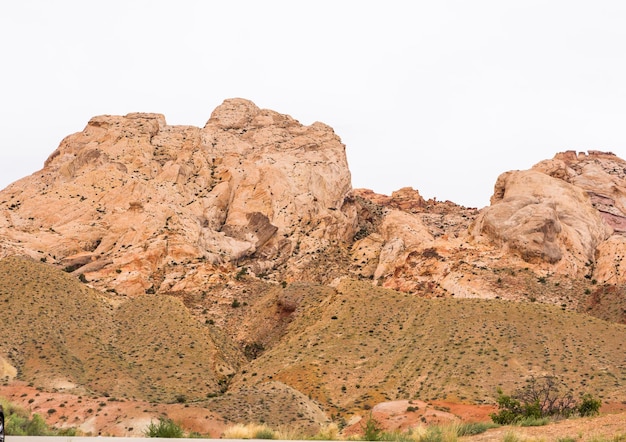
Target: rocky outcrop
[(569, 211), (136, 205), (563, 218), (542, 219)]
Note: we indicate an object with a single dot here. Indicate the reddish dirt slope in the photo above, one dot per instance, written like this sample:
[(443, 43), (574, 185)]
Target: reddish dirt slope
[(108, 416)]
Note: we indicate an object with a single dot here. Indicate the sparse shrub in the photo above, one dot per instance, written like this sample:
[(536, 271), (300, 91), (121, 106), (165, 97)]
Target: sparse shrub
[(241, 273), (329, 432), (589, 406), (249, 431), (436, 434), (253, 350), (235, 303), (538, 400), (165, 428), (431, 252), (70, 269), (511, 436), (372, 429)]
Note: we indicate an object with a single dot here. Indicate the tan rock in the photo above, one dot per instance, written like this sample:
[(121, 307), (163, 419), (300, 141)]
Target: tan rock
[(542, 218), (131, 199)]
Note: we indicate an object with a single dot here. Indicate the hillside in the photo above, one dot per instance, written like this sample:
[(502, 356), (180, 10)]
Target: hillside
[(60, 334), (335, 352), (355, 347), (233, 269)]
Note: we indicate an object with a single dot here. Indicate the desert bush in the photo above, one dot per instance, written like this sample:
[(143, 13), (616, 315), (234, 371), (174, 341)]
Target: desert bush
[(541, 398), (372, 429), (165, 428), (589, 406), (509, 408), (253, 350)]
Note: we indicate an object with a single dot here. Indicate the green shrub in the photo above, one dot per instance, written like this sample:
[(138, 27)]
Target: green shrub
[(19, 422), (539, 399), (372, 429), (589, 406), (165, 428), (510, 409)]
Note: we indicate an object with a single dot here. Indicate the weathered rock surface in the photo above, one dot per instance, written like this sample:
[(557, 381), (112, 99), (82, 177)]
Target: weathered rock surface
[(136, 205), (563, 218)]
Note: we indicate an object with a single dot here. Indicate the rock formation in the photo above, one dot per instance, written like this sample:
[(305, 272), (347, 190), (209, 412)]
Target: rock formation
[(136, 205)]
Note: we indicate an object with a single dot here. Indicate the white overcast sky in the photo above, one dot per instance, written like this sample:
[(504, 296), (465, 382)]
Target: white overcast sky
[(441, 96)]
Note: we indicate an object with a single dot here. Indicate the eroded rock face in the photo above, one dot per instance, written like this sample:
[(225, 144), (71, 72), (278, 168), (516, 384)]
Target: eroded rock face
[(563, 218), (136, 205), (542, 219)]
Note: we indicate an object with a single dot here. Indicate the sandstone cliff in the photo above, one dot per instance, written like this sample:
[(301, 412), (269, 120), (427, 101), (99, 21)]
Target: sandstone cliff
[(136, 205)]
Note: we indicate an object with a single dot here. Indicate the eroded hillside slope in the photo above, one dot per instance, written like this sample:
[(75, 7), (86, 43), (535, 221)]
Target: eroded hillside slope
[(60, 334)]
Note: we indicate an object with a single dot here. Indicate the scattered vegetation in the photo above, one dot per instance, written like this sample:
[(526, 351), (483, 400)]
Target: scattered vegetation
[(372, 429), (165, 428), (540, 399), (20, 422)]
